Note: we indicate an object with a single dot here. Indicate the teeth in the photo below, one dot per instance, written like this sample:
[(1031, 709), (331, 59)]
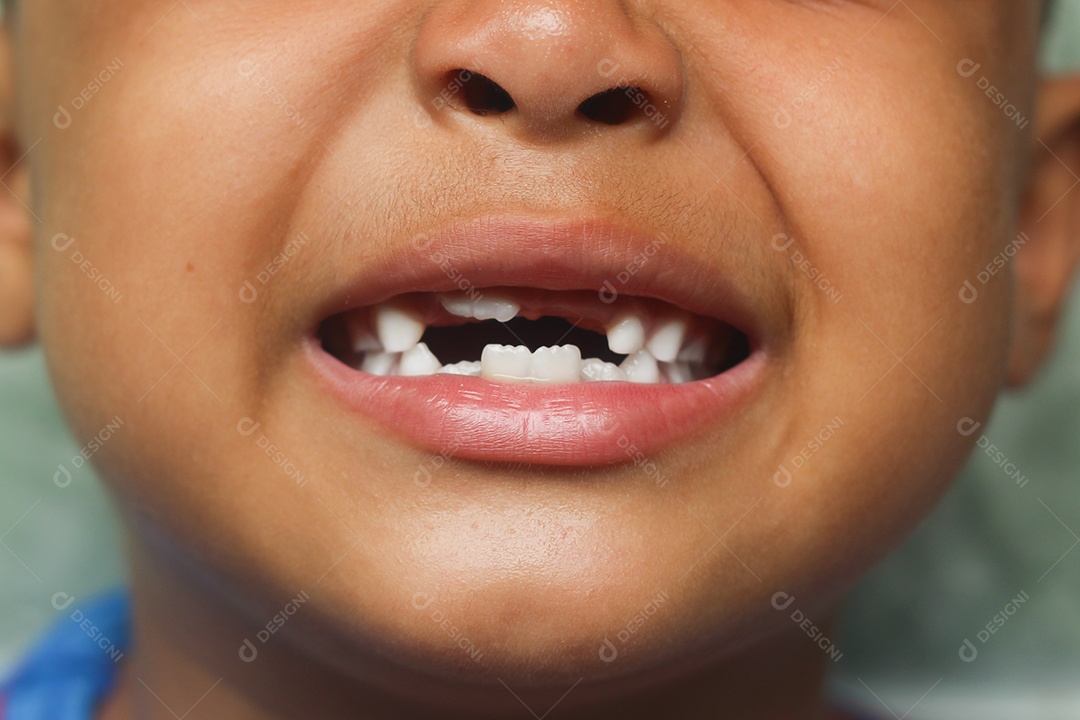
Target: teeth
[(471, 368), (641, 367), (394, 348), (366, 342), (481, 308), (455, 305), (398, 329), (626, 335), (495, 309), (667, 339), (596, 370), (694, 351), (505, 362), (556, 364), (678, 372), (379, 363), (419, 361), (361, 339)]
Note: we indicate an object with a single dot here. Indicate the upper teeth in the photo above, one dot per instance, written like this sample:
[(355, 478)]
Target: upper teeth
[(481, 308), (667, 339), (664, 354), (362, 339), (626, 335), (398, 329)]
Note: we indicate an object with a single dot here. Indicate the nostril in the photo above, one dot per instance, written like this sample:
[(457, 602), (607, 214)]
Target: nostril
[(481, 95), (616, 105)]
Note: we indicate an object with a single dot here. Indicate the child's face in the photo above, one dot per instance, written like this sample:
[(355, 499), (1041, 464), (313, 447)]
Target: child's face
[(213, 180)]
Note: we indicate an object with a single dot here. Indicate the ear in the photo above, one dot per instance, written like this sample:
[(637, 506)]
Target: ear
[(1050, 219), (16, 271)]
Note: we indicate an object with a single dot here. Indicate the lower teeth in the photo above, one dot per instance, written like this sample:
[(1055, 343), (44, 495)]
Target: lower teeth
[(636, 343), (505, 363)]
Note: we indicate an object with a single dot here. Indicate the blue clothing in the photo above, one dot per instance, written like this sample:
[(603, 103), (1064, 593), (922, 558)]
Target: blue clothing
[(73, 667)]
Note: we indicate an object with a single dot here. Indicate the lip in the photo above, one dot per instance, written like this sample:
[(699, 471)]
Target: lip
[(582, 424)]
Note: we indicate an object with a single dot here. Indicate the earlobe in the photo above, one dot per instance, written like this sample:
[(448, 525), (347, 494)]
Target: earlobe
[(16, 263), (1050, 224)]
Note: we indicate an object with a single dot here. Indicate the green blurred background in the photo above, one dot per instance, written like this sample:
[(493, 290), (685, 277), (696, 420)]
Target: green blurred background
[(988, 542)]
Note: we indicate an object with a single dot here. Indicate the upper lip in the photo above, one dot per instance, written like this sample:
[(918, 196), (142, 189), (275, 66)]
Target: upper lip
[(556, 254)]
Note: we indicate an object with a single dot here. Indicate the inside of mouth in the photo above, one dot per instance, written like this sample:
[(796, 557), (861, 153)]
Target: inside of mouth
[(533, 336), (462, 343)]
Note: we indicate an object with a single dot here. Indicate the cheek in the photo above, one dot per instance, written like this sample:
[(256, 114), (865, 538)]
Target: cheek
[(153, 200), (165, 193), (892, 207)]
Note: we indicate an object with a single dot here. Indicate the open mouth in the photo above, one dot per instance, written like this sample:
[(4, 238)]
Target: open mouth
[(527, 339), (521, 335)]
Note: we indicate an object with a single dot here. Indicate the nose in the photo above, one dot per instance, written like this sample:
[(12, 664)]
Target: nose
[(549, 67)]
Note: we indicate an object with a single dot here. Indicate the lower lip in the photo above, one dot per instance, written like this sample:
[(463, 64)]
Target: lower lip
[(580, 424)]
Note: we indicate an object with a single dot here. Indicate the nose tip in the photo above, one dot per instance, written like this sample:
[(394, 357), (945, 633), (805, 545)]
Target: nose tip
[(548, 67)]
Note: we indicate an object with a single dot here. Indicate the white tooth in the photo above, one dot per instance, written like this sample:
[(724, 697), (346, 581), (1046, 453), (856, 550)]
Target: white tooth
[(693, 351), (678, 372), (596, 370), (419, 361), (505, 362), (360, 336), (470, 368), (626, 335), (495, 309), (379, 363), (365, 342), (641, 367), (556, 364), (489, 308), (398, 329), (456, 305), (667, 339)]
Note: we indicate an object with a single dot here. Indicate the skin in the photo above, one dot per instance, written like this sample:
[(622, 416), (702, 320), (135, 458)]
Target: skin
[(181, 178)]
